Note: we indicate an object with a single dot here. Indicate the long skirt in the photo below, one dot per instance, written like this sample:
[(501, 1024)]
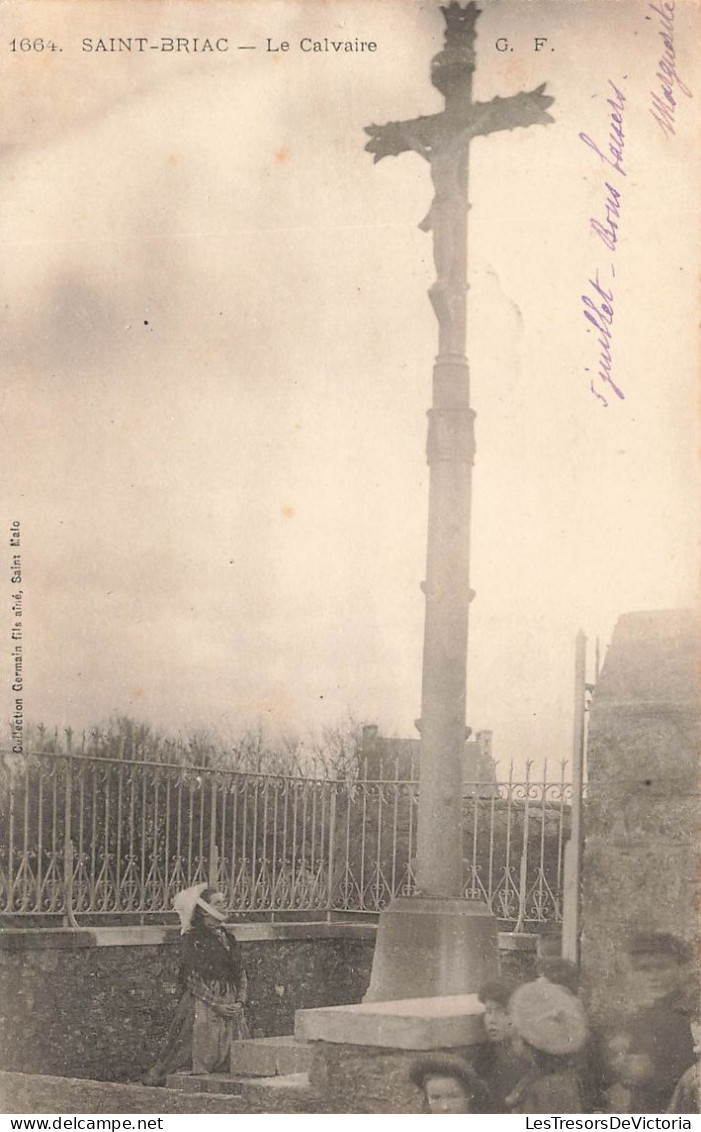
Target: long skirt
[(198, 1040), (213, 1039), (177, 1050)]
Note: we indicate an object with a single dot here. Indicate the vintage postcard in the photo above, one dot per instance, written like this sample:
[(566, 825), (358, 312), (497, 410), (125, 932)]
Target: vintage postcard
[(248, 245)]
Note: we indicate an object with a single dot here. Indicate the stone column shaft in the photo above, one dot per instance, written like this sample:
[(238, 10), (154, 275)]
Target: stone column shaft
[(450, 453)]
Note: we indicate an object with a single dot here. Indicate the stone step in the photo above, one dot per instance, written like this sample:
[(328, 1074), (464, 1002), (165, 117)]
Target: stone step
[(222, 1083), (255, 1057), (270, 1057), (32, 1093), (219, 1083), (289, 1092), (297, 1082)]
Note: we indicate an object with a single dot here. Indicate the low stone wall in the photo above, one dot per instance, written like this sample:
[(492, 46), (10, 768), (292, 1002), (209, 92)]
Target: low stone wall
[(97, 1003)]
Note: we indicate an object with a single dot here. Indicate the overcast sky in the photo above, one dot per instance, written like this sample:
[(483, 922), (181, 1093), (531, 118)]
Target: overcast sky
[(217, 358)]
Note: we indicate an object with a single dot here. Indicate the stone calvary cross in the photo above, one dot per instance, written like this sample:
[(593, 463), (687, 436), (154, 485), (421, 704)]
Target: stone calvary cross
[(444, 141)]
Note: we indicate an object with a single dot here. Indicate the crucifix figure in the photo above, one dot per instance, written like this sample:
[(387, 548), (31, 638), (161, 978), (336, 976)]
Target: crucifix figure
[(443, 140)]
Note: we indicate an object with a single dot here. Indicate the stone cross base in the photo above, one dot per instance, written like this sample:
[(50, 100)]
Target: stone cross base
[(365, 1079), (433, 946), (409, 1023), (362, 1054)]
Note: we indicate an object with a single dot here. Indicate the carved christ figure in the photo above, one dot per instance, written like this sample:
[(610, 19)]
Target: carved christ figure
[(443, 140), (448, 161)]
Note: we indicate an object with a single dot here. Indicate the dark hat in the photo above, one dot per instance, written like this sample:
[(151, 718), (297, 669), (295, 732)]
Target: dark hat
[(497, 990), (549, 1017), (660, 943), (447, 1065)]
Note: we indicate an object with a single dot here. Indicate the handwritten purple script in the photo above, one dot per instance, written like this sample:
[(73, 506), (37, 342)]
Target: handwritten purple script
[(664, 104), (597, 303)]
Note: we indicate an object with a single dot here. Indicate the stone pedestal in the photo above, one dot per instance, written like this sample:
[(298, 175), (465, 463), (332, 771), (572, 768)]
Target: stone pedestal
[(409, 1023), (367, 1079), (430, 946), (362, 1055)]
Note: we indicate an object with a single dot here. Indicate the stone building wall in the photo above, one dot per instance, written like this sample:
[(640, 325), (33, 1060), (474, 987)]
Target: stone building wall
[(641, 817), (98, 1003)]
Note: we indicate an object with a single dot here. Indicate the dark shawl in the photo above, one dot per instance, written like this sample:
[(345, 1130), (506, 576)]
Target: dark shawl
[(212, 955)]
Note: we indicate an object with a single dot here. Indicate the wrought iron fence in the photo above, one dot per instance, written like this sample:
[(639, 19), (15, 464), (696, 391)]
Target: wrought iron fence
[(98, 836)]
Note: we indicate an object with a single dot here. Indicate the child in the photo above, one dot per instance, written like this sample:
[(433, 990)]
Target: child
[(551, 1029), (629, 1072), (449, 1085), (651, 1047), (497, 1062), (591, 1058)]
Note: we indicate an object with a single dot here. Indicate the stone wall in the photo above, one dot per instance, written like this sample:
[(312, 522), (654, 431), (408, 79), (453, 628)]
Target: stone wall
[(97, 1003), (641, 816)]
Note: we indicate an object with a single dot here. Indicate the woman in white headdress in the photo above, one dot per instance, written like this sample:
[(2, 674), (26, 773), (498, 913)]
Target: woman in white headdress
[(210, 1015)]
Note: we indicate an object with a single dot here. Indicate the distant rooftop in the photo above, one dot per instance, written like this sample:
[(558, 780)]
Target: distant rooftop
[(396, 758)]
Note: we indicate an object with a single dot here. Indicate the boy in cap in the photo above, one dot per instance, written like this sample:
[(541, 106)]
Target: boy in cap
[(591, 1059), (551, 1029), (497, 1061), (652, 1047)]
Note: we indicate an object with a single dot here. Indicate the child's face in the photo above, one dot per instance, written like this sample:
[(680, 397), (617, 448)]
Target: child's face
[(655, 977), (446, 1095), (497, 1022)]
